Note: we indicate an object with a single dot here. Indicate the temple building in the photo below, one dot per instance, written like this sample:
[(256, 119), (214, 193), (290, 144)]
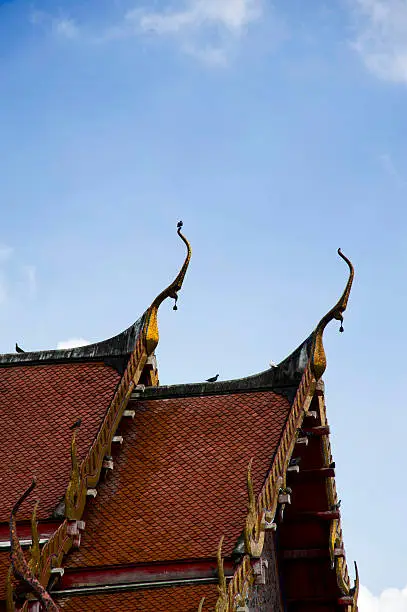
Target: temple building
[(120, 494)]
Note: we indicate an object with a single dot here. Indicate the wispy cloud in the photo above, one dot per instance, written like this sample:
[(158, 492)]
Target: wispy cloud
[(389, 166), (3, 288), (381, 39), (206, 29), (209, 30), (390, 600), (66, 28), (72, 343), (30, 273), (5, 252), (234, 15), (61, 26)]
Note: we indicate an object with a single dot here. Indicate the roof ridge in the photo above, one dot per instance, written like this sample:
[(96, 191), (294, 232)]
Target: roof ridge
[(120, 345), (283, 379)]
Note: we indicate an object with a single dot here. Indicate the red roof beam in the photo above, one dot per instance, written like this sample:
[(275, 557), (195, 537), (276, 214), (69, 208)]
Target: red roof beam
[(329, 515), (312, 475), (45, 531), (310, 553), (143, 573)]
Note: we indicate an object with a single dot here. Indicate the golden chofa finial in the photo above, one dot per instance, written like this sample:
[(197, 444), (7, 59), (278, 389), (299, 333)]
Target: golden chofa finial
[(318, 353), (151, 324)]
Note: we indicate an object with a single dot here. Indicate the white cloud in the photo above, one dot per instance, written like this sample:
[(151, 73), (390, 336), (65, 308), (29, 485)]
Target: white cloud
[(235, 15), (66, 28), (5, 252), (390, 600), (3, 288), (206, 29), (381, 37), (62, 26), (72, 343), (31, 277)]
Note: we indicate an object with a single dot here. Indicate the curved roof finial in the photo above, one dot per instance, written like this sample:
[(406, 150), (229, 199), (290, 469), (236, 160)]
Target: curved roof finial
[(318, 352), (151, 324), (21, 568)]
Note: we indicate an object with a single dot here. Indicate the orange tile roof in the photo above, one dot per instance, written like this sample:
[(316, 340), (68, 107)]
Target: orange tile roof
[(37, 406), (179, 482), (169, 599)]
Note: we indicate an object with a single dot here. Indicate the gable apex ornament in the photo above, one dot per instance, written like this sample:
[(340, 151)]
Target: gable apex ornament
[(318, 357), (151, 323)]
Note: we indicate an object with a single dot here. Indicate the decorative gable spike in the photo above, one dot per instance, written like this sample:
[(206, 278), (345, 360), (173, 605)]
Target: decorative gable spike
[(318, 357), (222, 605), (151, 325), (21, 568), (254, 531), (200, 609), (73, 489), (34, 563), (10, 607)]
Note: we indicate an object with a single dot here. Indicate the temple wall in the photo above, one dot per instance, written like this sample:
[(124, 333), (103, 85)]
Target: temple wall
[(266, 595)]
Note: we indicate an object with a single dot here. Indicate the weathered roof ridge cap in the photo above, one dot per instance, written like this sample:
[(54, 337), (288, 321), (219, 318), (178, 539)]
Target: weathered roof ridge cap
[(117, 346), (286, 375)]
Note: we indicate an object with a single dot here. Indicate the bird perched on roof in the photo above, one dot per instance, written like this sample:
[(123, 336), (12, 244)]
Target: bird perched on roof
[(213, 379), (179, 224), (272, 364), (332, 464), (76, 424), (19, 349)]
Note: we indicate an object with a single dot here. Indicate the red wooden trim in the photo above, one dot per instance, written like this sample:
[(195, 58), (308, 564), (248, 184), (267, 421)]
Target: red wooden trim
[(152, 572), (45, 530), (346, 600), (329, 515), (321, 601), (321, 430), (312, 475), (307, 553)]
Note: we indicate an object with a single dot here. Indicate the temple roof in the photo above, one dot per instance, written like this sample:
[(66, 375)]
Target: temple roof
[(37, 407), (159, 599), (179, 481)]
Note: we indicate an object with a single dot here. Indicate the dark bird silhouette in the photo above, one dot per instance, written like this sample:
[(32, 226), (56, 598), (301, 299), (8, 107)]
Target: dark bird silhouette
[(213, 379), (179, 224), (18, 349), (332, 465), (76, 424)]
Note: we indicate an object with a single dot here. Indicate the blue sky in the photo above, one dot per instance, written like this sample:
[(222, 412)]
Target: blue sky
[(276, 131)]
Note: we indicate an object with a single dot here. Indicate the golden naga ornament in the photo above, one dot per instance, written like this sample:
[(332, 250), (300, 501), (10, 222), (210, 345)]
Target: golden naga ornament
[(35, 552), (254, 531), (318, 357), (222, 605), (151, 323), (10, 607), (21, 569), (201, 603), (355, 589), (73, 489)]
